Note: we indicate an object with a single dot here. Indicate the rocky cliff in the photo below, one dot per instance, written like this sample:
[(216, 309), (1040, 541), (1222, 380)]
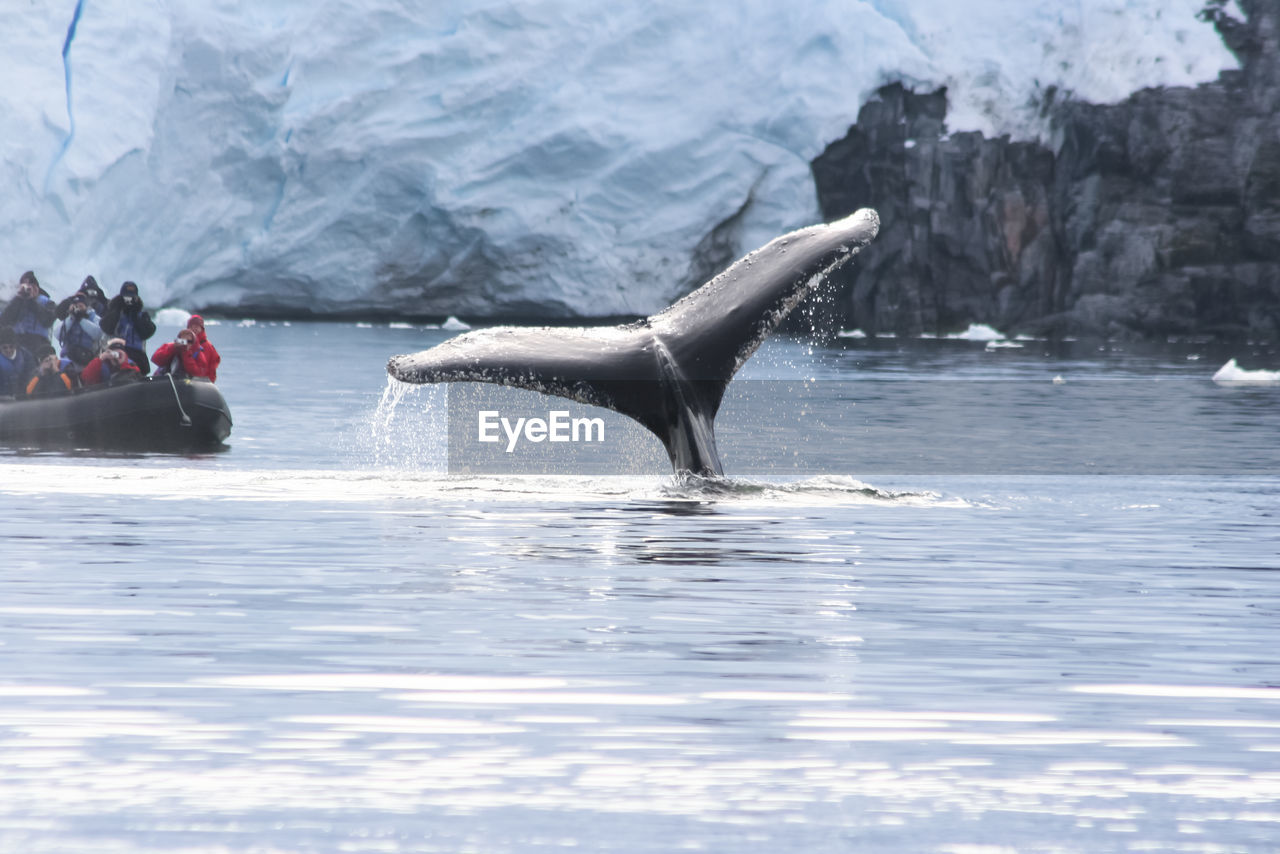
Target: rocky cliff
[(1157, 216)]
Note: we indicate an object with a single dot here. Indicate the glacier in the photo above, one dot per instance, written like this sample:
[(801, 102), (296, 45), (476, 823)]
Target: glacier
[(489, 158)]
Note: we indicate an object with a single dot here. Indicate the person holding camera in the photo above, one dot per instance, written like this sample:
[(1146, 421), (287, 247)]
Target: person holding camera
[(211, 357), (50, 379), (111, 365), (126, 318), (30, 314), (182, 357), (93, 297), (79, 336)]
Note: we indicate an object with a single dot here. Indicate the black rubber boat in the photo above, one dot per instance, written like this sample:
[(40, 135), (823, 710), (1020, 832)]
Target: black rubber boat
[(152, 414)]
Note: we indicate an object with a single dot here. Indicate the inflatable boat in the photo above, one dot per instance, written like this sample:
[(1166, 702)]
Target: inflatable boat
[(151, 414)]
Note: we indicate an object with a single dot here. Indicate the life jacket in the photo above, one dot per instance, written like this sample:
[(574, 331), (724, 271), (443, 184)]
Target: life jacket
[(12, 372), (77, 344), (29, 323), (125, 330), (39, 380)]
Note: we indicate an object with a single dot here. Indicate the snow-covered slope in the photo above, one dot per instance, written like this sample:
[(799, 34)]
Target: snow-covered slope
[(476, 157)]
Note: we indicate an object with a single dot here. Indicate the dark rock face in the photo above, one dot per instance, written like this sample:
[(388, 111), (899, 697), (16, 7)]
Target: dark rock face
[(1154, 217)]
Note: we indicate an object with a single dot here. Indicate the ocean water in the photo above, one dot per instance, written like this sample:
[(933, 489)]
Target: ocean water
[(972, 609)]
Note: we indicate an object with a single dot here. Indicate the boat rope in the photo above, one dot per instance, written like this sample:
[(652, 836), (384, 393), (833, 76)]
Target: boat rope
[(186, 419)]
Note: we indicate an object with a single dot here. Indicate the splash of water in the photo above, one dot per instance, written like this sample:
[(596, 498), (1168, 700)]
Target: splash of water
[(408, 430), (837, 488)]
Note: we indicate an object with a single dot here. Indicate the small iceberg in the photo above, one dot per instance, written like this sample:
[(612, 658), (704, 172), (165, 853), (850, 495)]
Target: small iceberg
[(1233, 374), (1002, 344), (977, 332), (172, 317), (248, 321), (399, 325), (454, 323), (851, 333)]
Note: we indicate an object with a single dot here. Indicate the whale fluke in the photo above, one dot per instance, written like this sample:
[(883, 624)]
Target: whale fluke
[(668, 371)]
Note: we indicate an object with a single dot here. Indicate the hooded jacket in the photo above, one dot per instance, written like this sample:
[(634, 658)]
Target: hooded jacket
[(130, 322), (93, 297), (211, 357), (30, 317)]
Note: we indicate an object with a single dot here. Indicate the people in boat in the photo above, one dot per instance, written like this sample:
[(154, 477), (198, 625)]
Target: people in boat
[(196, 324), (126, 318), (30, 314), (111, 365), (182, 357), (16, 364), (93, 297), (50, 379), (81, 338)]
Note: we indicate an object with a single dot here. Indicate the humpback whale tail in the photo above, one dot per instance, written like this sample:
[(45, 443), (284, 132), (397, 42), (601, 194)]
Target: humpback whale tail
[(668, 371)]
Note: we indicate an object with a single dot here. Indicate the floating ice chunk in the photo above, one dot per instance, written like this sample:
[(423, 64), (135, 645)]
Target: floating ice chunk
[(454, 323), (172, 317), (1233, 374), (1003, 345), (851, 333), (363, 325), (399, 325), (1058, 380), (248, 321), (977, 332)]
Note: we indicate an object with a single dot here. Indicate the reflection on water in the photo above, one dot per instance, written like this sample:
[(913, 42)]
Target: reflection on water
[(281, 649)]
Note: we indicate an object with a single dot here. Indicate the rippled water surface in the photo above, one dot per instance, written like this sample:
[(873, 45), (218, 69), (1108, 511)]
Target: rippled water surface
[(319, 641)]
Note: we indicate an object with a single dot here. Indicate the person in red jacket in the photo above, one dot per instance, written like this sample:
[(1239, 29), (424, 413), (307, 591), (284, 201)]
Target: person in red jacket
[(211, 358), (110, 364), (182, 357)]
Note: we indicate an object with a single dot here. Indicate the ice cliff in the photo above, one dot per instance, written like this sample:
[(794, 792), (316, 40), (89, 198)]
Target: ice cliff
[(487, 157)]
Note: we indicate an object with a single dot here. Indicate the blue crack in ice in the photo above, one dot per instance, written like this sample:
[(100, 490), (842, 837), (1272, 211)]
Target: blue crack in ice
[(71, 116)]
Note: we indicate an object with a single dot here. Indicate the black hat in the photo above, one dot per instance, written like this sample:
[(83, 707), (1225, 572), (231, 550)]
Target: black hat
[(128, 289), (28, 278), (8, 336), (79, 297), (90, 282), (43, 350)]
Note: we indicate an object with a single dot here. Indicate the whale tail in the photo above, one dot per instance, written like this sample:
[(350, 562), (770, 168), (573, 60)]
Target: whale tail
[(668, 371)]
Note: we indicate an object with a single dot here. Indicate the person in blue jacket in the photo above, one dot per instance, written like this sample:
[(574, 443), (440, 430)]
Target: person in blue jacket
[(16, 365), (126, 318), (30, 314), (80, 337)]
